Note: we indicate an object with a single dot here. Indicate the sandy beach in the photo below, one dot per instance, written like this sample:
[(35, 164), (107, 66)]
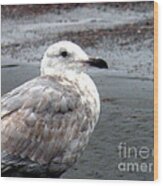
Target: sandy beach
[(120, 33)]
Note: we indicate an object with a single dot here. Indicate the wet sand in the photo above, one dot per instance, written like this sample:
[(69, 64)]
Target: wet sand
[(126, 89)]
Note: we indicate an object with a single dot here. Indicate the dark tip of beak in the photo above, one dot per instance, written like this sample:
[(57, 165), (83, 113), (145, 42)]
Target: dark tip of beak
[(97, 62)]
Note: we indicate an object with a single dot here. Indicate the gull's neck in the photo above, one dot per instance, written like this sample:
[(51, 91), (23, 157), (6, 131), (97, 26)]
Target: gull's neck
[(84, 81), (70, 74), (82, 78)]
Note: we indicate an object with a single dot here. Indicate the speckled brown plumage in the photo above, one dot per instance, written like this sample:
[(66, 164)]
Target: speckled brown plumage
[(42, 121), (47, 122)]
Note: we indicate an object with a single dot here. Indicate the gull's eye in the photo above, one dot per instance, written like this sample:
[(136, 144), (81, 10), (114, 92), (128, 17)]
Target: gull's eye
[(64, 54)]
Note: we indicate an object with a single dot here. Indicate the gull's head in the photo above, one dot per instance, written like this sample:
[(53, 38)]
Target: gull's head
[(65, 55)]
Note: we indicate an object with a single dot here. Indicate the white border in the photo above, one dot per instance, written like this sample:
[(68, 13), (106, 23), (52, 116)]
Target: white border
[(53, 182), (59, 1)]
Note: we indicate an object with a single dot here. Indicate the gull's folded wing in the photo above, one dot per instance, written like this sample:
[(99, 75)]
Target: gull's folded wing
[(44, 120)]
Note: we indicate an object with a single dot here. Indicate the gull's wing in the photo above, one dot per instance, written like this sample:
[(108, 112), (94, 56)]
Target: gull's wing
[(44, 119)]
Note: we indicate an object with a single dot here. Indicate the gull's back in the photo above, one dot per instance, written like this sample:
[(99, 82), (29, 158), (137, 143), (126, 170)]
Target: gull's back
[(46, 124)]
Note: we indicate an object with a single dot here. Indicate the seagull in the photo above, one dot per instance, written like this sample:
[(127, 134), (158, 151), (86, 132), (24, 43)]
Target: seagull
[(47, 121)]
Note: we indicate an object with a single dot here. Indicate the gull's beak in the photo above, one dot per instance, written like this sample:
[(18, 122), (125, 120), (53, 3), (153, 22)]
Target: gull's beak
[(97, 62)]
